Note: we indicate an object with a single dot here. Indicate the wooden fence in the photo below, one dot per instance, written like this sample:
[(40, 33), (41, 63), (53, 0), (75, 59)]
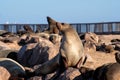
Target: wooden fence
[(100, 28)]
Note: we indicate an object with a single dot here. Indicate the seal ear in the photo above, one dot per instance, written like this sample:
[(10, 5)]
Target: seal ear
[(59, 25)]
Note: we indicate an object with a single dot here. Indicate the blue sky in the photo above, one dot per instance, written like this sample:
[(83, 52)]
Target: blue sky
[(70, 11)]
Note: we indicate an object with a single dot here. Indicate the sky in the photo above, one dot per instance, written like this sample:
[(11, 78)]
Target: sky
[(69, 11)]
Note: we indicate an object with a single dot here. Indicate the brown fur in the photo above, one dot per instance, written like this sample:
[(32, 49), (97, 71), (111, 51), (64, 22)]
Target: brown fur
[(117, 57), (53, 65), (52, 26), (109, 48), (110, 71), (28, 28), (71, 48), (71, 52)]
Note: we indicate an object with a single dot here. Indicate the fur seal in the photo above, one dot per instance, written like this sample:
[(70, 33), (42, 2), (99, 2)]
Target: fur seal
[(71, 48), (71, 53), (28, 28), (52, 26), (117, 57), (109, 71)]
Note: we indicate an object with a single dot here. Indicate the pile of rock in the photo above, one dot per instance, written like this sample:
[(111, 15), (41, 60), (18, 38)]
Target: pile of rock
[(26, 52)]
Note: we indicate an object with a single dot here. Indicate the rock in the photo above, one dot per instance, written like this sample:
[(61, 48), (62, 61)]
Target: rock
[(25, 53), (90, 62), (4, 46), (36, 78), (109, 48), (38, 53), (43, 35), (105, 48), (5, 53), (9, 43), (117, 47), (115, 40), (13, 46), (69, 74), (44, 51), (2, 31), (86, 74), (21, 32), (4, 74), (117, 57), (7, 34), (13, 67)]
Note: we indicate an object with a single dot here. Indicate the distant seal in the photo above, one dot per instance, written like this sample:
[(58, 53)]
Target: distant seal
[(52, 26), (117, 57), (28, 28)]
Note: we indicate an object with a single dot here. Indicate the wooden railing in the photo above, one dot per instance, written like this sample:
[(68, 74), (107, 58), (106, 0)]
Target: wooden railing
[(100, 28)]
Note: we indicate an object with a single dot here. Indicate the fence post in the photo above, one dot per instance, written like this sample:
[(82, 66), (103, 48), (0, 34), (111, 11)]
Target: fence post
[(110, 29)]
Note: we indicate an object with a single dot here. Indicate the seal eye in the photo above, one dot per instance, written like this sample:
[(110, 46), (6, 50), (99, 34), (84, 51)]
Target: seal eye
[(63, 23)]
